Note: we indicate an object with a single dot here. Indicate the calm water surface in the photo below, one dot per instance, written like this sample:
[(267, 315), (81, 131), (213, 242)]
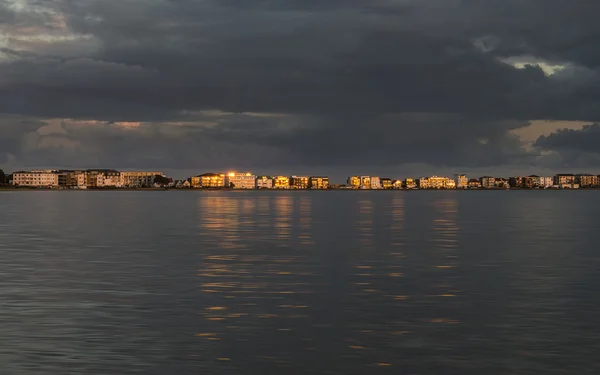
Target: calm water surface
[(299, 282)]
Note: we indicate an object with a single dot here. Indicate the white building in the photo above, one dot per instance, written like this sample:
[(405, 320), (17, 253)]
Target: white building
[(36, 179), (376, 183), (546, 182), (108, 181), (240, 180), (264, 182), (461, 181)]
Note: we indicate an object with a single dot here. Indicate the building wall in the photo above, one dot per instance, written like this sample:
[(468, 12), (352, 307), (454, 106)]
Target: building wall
[(132, 179), (375, 183), (411, 183), (298, 182), (36, 179), (461, 181), (264, 182), (240, 180), (365, 182), (354, 181), (318, 182), (281, 182)]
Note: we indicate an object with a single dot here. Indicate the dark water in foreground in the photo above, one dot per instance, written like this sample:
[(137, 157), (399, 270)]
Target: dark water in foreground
[(299, 282)]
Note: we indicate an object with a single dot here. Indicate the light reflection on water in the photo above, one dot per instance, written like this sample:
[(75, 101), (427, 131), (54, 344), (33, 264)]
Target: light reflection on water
[(299, 282)]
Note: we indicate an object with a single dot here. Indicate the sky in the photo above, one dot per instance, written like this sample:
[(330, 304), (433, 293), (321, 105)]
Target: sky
[(393, 88)]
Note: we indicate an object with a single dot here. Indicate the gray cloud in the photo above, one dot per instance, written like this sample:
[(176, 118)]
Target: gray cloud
[(338, 83)]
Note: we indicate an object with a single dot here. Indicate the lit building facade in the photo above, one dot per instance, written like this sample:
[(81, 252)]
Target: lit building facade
[(46, 178), (354, 181), (365, 182), (240, 180), (281, 182), (386, 183), (298, 182), (138, 178), (411, 183), (474, 183), (487, 182), (435, 182), (564, 179), (375, 183), (461, 181), (397, 184), (208, 180), (586, 180), (318, 182), (264, 182), (546, 182)]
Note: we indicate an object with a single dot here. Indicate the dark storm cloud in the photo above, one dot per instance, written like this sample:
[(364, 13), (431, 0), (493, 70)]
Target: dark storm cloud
[(573, 147), (409, 81)]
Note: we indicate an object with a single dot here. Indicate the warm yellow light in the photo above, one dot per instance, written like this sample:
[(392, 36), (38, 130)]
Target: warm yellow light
[(231, 174)]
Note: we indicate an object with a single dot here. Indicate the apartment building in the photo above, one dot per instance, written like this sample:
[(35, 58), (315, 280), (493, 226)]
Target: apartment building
[(376, 183), (564, 179), (45, 178), (354, 182), (411, 183), (435, 182), (365, 182), (488, 182), (461, 181), (586, 180), (281, 182), (298, 182), (138, 178), (208, 180), (264, 182), (386, 183), (397, 184), (318, 182), (240, 180)]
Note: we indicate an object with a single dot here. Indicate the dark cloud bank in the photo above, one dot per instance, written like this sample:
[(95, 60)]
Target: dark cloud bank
[(325, 86)]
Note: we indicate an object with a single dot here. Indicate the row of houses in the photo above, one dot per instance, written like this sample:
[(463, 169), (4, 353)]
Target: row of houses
[(248, 180), (559, 181), (377, 183), (83, 179)]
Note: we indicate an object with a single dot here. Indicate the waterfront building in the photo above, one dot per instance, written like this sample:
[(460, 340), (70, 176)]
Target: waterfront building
[(264, 182), (435, 182), (375, 183), (397, 184), (281, 182), (564, 179), (298, 182), (240, 180), (474, 183), (208, 180), (586, 180), (386, 183), (42, 178), (487, 182), (318, 182), (354, 182), (461, 181), (411, 183), (138, 178), (365, 182), (546, 182), (502, 183)]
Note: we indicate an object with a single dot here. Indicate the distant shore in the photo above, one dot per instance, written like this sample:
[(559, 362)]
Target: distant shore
[(274, 190)]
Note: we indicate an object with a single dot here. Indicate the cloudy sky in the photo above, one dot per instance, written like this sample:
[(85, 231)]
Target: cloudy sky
[(387, 87)]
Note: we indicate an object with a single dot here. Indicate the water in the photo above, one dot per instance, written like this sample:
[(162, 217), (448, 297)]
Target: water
[(328, 282)]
